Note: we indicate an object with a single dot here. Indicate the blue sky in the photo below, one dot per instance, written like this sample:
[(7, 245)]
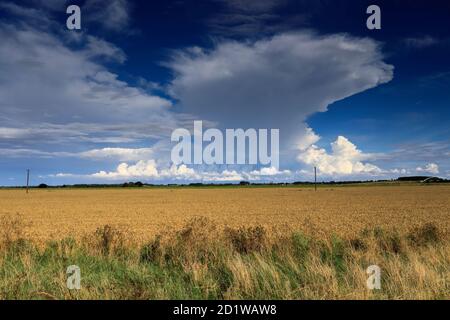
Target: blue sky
[(99, 105)]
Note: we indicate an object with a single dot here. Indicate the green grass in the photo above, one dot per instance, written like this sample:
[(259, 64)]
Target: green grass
[(202, 262)]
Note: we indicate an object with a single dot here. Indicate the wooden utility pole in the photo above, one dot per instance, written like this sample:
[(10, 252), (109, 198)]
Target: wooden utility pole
[(28, 179), (315, 179)]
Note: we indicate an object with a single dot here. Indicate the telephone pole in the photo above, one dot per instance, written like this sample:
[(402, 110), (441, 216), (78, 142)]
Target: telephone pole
[(28, 179), (315, 179)]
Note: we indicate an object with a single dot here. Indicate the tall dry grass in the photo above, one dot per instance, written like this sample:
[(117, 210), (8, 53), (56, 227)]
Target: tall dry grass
[(202, 261)]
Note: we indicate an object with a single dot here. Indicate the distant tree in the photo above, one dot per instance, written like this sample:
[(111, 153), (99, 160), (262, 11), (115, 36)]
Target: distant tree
[(244, 183), (43, 186), (413, 178), (132, 184)]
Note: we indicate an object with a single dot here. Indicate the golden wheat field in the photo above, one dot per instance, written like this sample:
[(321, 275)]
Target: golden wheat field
[(144, 213)]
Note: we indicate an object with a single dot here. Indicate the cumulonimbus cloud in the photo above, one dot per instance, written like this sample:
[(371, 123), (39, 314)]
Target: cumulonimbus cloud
[(277, 82)]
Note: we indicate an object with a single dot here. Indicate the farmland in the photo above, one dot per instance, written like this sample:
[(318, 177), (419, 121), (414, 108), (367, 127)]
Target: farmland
[(344, 211), (226, 243)]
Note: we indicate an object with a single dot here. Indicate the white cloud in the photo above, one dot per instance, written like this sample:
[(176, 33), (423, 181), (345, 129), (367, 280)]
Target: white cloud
[(429, 168), (150, 170), (400, 171), (276, 82), (32, 62), (112, 15), (30, 153), (421, 42), (97, 47), (224, 176), (51, 93), (64, 175), (121, 154), (36, 134), (13, 133), (179, 172), (344, 159), (308, 138), (33, 14), (270, 171), (147, 169), (142, 169)]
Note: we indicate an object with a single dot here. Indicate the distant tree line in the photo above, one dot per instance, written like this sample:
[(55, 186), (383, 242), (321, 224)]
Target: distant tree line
[(139, 184)]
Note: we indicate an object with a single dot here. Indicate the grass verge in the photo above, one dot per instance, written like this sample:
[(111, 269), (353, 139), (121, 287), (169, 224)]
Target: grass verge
[(202, 262)]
